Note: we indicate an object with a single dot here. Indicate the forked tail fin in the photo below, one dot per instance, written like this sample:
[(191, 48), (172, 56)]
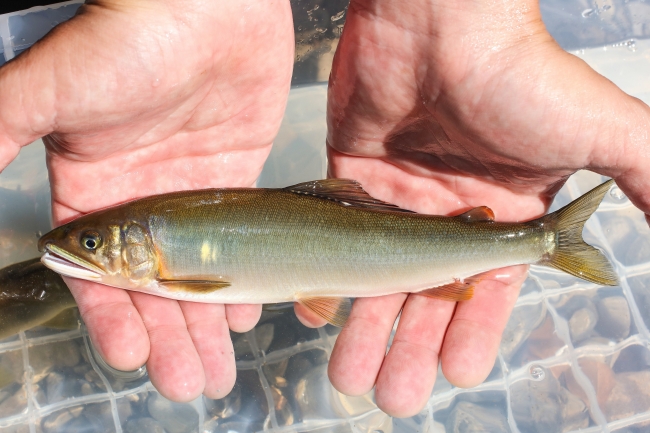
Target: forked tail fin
[(572, 254)]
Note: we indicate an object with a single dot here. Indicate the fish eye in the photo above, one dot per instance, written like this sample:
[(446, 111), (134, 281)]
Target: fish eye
[(91, 241)]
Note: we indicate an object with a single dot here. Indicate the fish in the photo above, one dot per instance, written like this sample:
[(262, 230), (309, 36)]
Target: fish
[(33, 295), (317, 243)]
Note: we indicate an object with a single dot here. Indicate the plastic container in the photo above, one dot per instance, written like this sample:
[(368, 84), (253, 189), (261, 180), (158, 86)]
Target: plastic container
[(574, 356)]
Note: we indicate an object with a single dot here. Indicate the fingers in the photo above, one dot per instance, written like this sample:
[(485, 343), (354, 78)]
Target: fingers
[(308, 317), (474, 334), (25, 105), (114, 324), (208, 329), (243, 317), (636, 185), (409, 371), (465, 336), (360, 348), (174, 365)]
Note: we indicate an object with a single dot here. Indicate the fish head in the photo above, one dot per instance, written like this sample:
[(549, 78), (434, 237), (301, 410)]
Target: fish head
[(115, 254)]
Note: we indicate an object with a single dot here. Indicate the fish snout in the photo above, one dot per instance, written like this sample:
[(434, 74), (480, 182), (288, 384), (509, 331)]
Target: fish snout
[(58, 234)]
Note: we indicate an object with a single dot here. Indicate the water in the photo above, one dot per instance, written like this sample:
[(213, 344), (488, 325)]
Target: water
[(626, 63), (537, 372), (574, 356), (617, 194), (588, 12)]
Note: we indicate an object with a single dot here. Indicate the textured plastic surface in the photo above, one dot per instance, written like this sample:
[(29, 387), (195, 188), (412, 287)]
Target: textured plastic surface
[(574, 356)]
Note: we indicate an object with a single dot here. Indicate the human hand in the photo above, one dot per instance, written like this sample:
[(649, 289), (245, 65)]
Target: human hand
[(146, 97), (440, 107)]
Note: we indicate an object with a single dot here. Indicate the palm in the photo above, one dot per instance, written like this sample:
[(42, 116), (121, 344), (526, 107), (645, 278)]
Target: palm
[(154, 97), (439, 120)]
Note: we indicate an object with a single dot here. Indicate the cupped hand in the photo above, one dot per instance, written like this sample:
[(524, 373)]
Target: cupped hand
[(440, 107), (146, 97)]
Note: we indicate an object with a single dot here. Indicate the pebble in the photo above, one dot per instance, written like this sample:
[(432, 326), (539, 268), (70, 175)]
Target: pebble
[(14, 400), (143, 425), (599, 374), (545, 406), (582, 323), (57, 388), (629, 395), (11, 368), (542, 342), (283, 410), (254, 404), (275, 373), (242, 347), (522, 322), (217, 425), (264, 335), (23, 428), (224, 407), (58, 421), (92, 377), (635, 357), (468, 417), (614, 317), (98, 417), (104, 412), (315, 396), (53, 357), (174, 417)]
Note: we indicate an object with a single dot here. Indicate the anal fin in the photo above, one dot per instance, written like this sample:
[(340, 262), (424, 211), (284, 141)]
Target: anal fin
[(194, 286), (334, 310), (456, 291)]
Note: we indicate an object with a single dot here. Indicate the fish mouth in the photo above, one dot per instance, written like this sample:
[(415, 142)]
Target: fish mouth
[(64, 263)]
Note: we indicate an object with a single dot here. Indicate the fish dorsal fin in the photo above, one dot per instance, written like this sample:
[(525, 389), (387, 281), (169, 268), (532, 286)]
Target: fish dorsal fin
[(334, 310), (194, 286), (344, 191), (478, 214)]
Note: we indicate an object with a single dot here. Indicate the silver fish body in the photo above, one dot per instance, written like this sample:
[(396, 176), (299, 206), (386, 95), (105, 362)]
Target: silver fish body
[(276, 246), (323, 239)]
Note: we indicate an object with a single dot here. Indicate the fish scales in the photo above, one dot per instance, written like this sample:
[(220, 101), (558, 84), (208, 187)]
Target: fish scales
[(284, 243)]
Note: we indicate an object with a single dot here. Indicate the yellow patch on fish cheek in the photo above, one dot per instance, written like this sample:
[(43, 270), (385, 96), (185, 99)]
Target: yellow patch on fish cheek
[(114, 242)]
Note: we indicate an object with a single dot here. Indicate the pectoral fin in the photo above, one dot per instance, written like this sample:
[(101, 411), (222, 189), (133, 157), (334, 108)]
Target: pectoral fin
[(194, 286), (334, 310)]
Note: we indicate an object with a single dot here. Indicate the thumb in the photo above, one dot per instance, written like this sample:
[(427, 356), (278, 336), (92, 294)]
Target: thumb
[(632, 174), (635, 183), (623, 150), (27, 106)]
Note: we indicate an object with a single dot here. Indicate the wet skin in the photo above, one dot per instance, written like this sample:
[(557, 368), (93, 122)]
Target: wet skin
[(435, 106), (129, 112), (440, 107)]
